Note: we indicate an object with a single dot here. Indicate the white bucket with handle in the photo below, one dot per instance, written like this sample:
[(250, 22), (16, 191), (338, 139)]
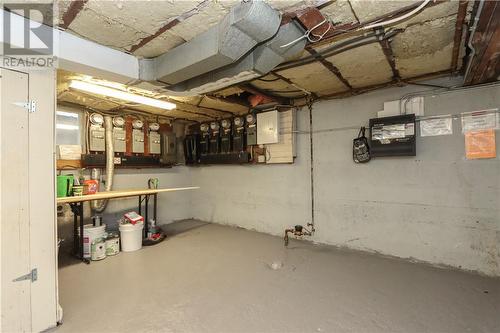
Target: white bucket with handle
[(131, 236)]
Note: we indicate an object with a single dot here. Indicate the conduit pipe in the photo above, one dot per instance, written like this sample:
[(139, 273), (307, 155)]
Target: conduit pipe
[(99, 206)]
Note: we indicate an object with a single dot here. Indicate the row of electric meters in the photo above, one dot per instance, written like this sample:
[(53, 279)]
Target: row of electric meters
[(97, 140), (228, 135)]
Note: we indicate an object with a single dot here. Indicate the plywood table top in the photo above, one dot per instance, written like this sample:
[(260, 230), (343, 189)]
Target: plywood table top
[(120, 194)]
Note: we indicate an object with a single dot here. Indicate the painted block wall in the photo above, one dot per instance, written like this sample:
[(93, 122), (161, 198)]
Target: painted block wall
[(436, 207)]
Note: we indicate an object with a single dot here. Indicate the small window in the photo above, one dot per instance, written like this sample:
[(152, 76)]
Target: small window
[(68, 128)]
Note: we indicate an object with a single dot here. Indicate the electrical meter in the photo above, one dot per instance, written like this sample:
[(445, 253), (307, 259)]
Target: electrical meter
[(239, 138), (214, 138), (205, 139), (154, 139), (119, 135), (137, 137), (251, 127), (97, 133), (225, 136), (96, 119)]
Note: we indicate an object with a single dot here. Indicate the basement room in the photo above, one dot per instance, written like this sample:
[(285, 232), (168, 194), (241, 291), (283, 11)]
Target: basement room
[(261, 166)]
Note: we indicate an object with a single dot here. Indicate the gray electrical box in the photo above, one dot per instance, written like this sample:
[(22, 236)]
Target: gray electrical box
[(154, 143), (169, 148), (97, 139), (137, 141), (119, 140)]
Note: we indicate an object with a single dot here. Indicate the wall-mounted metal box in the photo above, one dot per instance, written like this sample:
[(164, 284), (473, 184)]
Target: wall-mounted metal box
[(267, 127), (169, 148), (137, 141), (97, 139), (119, 140), (154, 143)]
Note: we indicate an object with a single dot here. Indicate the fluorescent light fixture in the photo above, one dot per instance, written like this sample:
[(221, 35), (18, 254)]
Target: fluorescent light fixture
[(67, 127), (67, 114), (119, 94)]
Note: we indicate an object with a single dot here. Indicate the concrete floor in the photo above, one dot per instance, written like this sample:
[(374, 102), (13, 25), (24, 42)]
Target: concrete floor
[(212, 278)]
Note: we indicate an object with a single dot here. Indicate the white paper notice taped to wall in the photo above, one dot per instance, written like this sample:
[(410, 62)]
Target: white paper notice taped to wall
[(480, 120), (435, 126)]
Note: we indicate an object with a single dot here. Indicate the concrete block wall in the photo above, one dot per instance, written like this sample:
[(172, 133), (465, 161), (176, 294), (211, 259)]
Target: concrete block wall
[(436, 207)]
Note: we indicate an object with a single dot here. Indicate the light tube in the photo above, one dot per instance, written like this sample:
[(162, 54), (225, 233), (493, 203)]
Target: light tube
[(118, 94)]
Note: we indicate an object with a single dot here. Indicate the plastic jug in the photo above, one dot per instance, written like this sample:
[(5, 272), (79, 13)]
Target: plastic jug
[(64, 185)]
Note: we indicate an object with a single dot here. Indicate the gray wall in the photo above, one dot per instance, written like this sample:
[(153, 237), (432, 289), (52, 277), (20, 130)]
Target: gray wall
[(437, 207)]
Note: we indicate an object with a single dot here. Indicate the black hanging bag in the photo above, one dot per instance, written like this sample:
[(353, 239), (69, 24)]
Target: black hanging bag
[(360, 148)]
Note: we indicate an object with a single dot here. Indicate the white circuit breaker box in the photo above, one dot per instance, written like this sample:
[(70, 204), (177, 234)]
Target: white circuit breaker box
[(267, 127), (119, 140), (137, 141), (154, 143), (97, 138)]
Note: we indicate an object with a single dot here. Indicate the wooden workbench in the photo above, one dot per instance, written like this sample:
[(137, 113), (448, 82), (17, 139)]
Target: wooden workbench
[(119, 194), (76, 204)]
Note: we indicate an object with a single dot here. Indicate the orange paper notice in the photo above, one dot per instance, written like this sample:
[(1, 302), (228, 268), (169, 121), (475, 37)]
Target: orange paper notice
[(480, 144)]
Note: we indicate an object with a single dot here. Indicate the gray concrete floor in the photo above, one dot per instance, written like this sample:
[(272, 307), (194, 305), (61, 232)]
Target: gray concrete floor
[(212, 278)]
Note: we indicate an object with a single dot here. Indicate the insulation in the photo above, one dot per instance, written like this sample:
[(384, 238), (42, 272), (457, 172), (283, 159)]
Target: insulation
[(372, 70), (315, 78), (339, 12), (218, 103), (275, 86), (200, 22), (441, 10), (159, 45), (370, 9), (104, 30), (425, 48)]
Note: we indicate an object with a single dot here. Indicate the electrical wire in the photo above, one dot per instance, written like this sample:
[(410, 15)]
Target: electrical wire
[(309, 32), (399, 18)]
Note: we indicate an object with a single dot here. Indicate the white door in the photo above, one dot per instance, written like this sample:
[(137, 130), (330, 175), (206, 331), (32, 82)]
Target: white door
[(14, 202)]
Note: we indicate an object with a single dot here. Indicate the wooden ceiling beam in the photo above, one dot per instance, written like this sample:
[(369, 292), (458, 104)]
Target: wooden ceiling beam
[(459, 27), (389, 55), (72, 12), (331, 67), (170, 25), (484, 65)]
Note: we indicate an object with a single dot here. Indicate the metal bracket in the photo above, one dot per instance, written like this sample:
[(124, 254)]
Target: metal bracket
[(30, 106), (33, 276)]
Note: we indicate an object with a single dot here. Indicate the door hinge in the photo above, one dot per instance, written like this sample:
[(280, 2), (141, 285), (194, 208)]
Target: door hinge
[(30, 106), (33, 276)]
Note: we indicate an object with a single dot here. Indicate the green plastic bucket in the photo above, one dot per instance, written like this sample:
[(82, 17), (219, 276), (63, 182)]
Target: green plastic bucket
[(64, 185)]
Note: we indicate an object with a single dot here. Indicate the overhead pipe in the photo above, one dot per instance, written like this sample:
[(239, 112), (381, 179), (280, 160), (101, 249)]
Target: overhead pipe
[(99, 206)]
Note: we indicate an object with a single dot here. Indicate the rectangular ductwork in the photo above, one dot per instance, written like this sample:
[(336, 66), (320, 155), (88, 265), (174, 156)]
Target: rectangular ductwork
[(246, 44), (247, 25)]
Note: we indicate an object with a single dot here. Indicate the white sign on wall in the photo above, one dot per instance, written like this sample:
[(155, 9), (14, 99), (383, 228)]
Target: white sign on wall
[(436, 126)]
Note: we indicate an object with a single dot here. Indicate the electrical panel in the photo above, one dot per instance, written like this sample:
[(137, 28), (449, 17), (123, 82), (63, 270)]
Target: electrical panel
[(137, 141), (97, 136), (169, 148), (97, 140), (393, 136), (119, 135), (154, 139), (154, 143), (267, 127), (191, 152), (251, 129), (137, 137), (119, 140)]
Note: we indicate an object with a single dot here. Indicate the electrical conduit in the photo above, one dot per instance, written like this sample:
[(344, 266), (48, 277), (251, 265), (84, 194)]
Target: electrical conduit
[(99, 206)]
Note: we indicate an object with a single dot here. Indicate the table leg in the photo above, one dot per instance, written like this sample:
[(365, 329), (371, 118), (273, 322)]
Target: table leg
[(80, 206), (76, 212), (155, 197), (140, 205), (146, 217)]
